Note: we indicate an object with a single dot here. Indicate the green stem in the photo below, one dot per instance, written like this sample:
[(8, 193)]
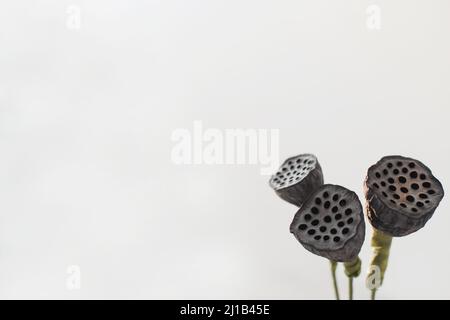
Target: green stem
[(381, 246), (333, 265), (352, 270), (350, 288)]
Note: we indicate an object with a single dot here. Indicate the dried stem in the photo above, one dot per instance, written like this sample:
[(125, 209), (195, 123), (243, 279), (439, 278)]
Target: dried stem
[(333, 265), (352, 270), (381, 245), (350, 288)]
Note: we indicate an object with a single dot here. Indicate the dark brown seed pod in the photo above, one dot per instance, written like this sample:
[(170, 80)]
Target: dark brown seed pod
[(331, 224), (402, 195), (297, 178)]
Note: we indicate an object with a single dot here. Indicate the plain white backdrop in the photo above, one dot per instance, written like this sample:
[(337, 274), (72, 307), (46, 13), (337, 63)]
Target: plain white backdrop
[(88, 106)]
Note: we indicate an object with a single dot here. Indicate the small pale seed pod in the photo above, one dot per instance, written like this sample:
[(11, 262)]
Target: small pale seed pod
[(331, 224), (297, 178), (401, 195)]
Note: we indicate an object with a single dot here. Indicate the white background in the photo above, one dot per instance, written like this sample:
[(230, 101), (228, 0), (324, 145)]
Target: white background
[(86, 118)]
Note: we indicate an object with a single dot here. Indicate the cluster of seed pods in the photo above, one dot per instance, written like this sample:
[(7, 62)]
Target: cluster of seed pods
[(401, 196), (330, 220)]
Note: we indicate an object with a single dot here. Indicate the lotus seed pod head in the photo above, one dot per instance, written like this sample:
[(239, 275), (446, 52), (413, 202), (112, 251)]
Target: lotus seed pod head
[(401, 195), (297, 178), (331, 224)]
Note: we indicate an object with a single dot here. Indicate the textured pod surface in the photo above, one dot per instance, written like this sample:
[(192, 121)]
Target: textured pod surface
[(297, 178), (402, 195), (331, 224)]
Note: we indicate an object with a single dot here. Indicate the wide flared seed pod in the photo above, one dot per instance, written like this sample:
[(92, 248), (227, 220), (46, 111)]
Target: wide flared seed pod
[(331, 224), (402, 195), (297, 178)]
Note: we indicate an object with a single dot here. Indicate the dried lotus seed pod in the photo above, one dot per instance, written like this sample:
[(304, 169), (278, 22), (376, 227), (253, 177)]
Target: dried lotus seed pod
[(297, 178), (331, 224), (402, 194)]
